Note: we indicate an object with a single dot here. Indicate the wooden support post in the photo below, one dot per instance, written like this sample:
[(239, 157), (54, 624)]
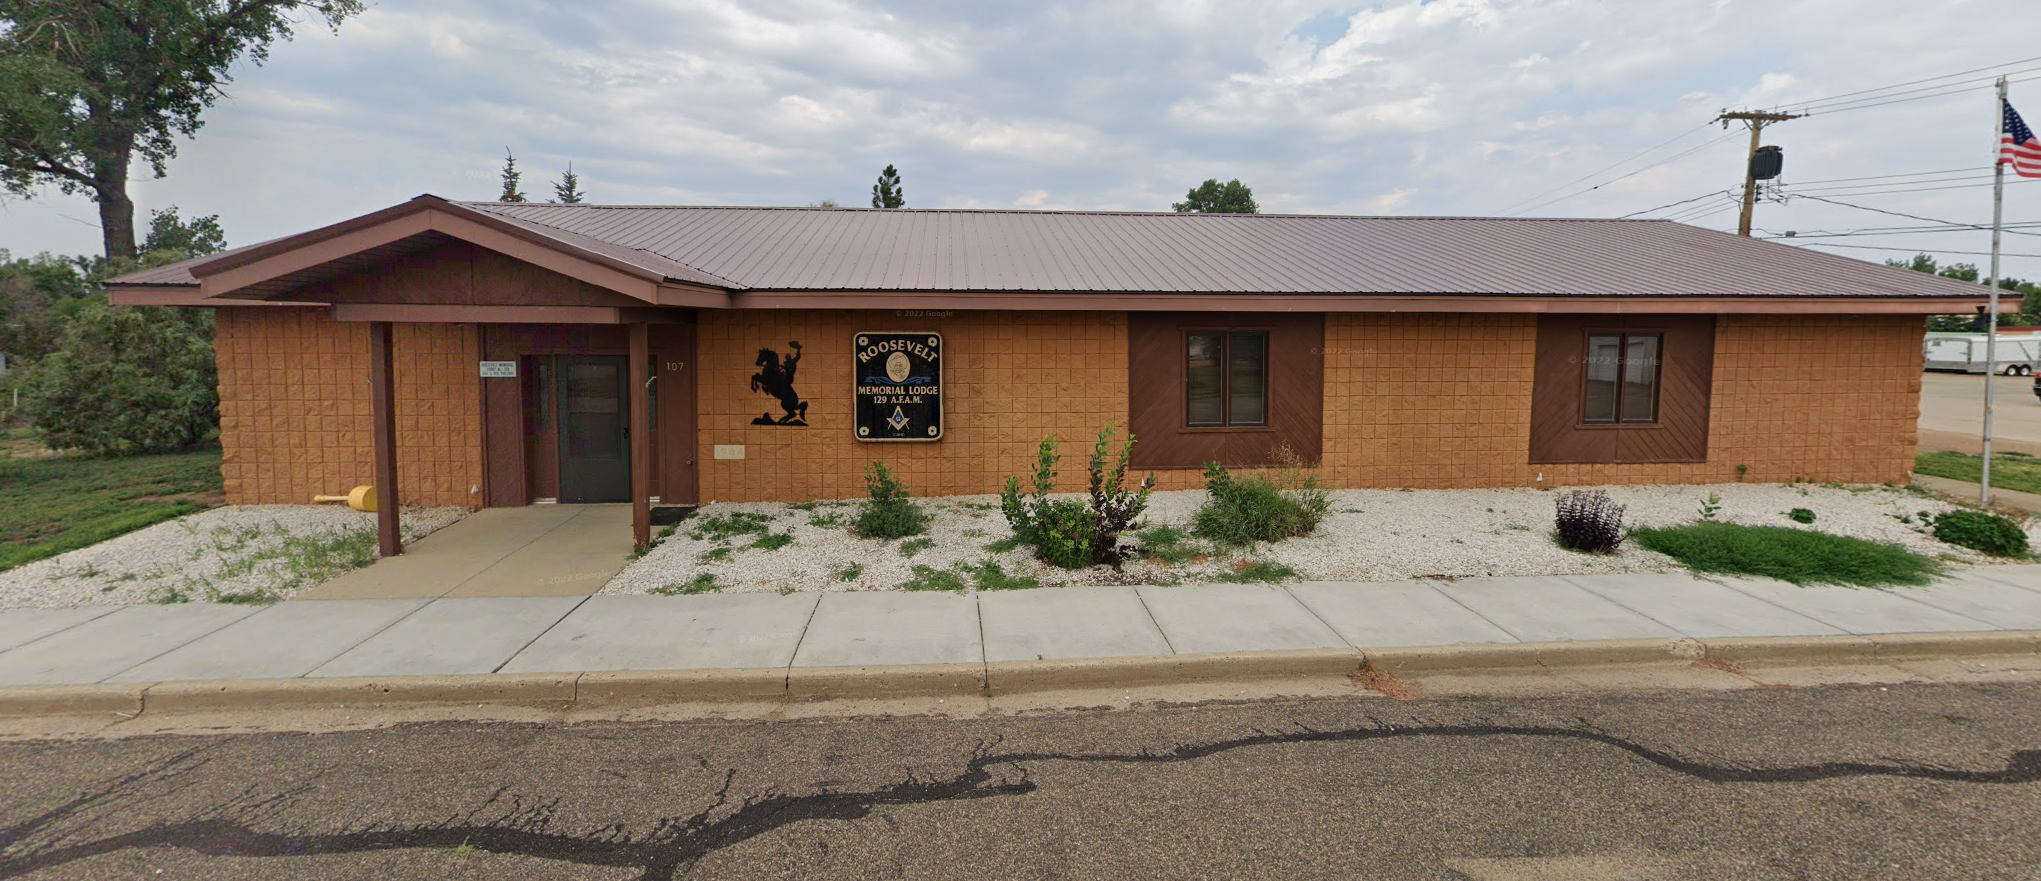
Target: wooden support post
[(641, 436), (383, 413)]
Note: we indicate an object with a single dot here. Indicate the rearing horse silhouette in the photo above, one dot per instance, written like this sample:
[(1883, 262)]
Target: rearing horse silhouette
[(776, 377)]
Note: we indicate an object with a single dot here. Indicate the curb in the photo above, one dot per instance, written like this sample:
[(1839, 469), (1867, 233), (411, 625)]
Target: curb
[(264, 694), (1013, 677), (632, 687)]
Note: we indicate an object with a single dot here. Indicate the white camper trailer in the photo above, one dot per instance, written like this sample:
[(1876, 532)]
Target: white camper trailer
[(1964, 353)]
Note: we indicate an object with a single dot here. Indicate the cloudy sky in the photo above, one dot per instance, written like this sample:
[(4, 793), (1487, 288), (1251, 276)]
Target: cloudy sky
[(1445, 107)]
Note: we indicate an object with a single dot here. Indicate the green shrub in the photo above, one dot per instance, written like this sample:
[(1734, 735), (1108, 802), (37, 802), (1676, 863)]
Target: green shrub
[(1982, 531), (1070, 533), (891, 511), (127, 380), (1801, 556), (1260, 507)]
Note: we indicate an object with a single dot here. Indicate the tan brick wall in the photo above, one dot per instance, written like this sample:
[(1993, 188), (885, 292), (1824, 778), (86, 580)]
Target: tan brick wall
[(1429, 400), (294, 408), (1010, 378), (1411, 400)]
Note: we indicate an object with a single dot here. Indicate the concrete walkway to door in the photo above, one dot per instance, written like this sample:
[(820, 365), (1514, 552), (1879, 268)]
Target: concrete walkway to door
[(536, 551)]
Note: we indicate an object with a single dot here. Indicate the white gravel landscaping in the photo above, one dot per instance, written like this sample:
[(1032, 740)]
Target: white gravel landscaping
[(1371, 535), (244, 553)]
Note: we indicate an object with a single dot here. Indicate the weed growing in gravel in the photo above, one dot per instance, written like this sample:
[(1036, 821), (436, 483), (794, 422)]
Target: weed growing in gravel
[(1003, 545), (724, 527), (1166, 544), (929, 578), (1981, 531), (1712, 505), (850, 572), (989, 575), (804, 506), (716, 554), (1258, 572), (1283, 503), (296, 562), (891, 511), (703, 582), (914, 546), (1801, 556), (831, 520), (772, 541), (1800, 515)]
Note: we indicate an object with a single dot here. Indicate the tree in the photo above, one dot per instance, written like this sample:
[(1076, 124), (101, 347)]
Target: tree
[(510, 176), (172, 238), (1213, 197), (2030, 294), (128, 380), (86, 86), (887, 192), (38, 297), (568, 190)]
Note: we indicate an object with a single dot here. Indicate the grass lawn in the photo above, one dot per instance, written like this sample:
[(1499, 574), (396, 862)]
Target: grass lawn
[(2014, 471), (49, 506), (1801, 556)]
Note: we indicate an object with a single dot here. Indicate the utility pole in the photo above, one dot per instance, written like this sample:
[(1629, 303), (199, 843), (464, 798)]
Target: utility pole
[(1756, 119)]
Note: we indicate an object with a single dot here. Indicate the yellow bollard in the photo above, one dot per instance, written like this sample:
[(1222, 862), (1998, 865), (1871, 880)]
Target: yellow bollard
[(361, 498)]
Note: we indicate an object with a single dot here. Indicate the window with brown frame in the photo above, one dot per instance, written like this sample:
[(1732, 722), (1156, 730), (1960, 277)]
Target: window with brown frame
[(1622, 388), (1619, 373), (1243, 389), (1226, 379)]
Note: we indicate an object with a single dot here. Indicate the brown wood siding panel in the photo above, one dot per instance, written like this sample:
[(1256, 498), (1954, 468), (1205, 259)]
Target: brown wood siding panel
[(1686, 378), (1155, 384), (674, 365), (462, 274)]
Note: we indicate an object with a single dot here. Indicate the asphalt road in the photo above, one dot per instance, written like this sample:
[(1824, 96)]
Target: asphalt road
[(1952, 412), (1903, 782)]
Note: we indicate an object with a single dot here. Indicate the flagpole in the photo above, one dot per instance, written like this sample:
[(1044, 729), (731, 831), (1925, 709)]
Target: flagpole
[(1998, 205)]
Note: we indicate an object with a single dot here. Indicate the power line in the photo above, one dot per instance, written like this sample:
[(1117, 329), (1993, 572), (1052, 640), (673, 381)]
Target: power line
[(1671, 204), (1906, 215), (1832, 98), (1674, 158), (1982, 169), (1634, 157), (1907, 250)]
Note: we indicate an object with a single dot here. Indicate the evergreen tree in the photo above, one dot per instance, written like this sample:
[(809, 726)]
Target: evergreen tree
[(1213, 197), (568, 190), (887, 192), (510, 176)]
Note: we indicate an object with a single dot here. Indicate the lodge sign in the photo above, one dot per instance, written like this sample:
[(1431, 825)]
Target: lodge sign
[(897, 378)]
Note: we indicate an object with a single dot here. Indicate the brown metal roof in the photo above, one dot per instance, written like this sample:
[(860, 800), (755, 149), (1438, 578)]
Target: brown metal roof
[(858, 249)]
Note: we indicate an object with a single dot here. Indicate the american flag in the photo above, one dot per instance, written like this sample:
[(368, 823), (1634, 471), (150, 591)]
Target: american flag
[(2018, 146)]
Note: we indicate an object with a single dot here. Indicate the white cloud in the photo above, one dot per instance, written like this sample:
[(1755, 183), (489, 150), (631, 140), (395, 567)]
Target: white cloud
[(1442, 107)]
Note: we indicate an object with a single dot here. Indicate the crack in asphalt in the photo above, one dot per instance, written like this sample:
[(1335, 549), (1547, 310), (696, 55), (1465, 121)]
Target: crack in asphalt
[(507, 824)]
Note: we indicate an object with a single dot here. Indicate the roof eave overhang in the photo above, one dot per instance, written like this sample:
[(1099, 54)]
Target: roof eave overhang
[(1090, 301), (231, 277)]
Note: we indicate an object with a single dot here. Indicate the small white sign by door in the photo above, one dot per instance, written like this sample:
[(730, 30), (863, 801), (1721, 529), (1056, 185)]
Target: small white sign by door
[(499, 369)]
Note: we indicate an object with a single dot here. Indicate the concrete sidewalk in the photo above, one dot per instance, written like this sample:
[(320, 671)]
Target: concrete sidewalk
[(333, 639), (534, 551)]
